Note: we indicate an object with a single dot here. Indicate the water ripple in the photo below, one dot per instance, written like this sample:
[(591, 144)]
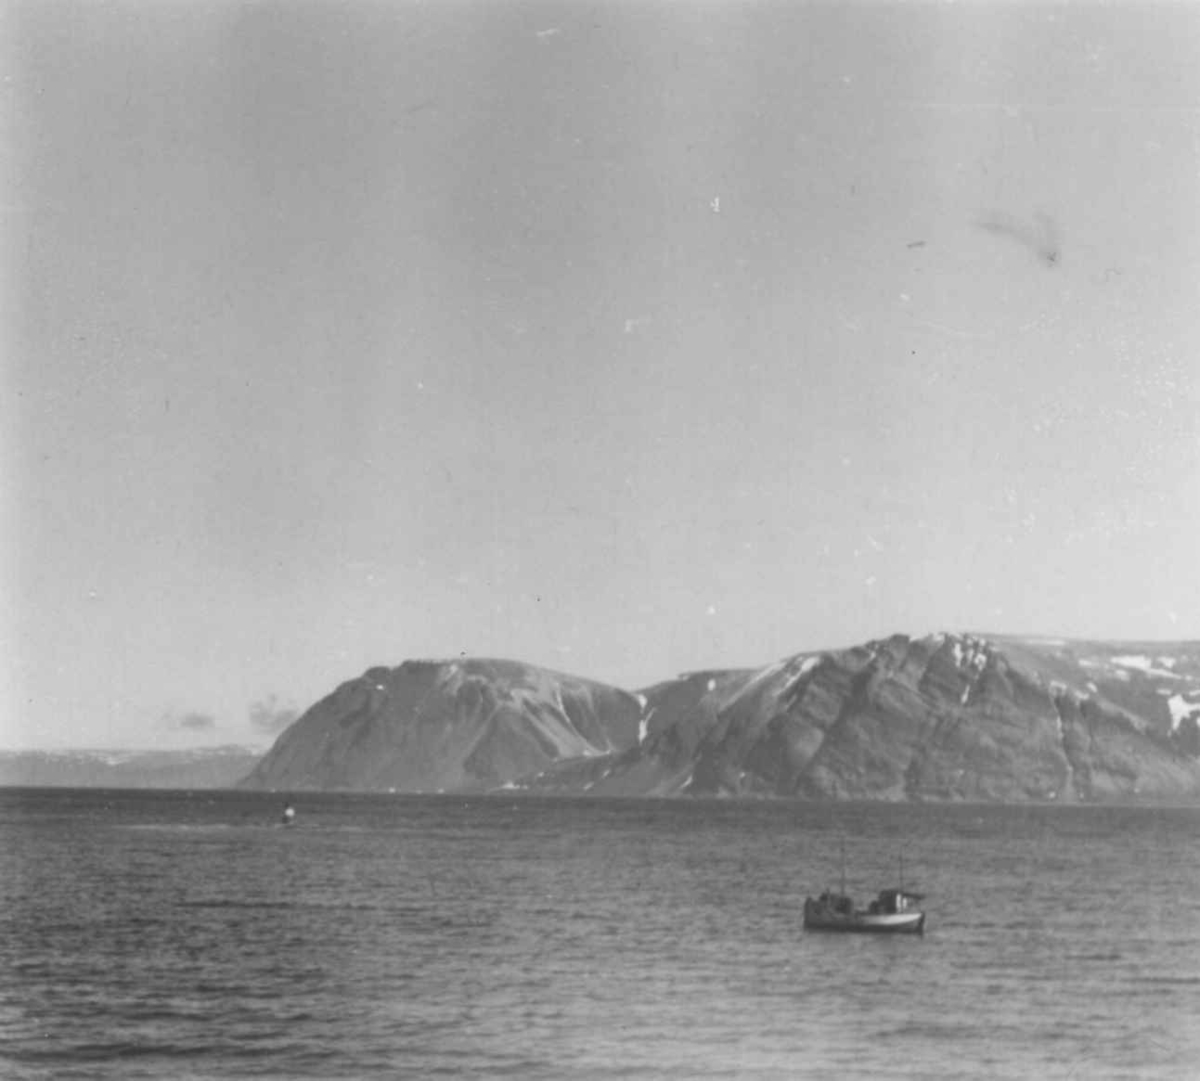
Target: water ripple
[(149, 935)]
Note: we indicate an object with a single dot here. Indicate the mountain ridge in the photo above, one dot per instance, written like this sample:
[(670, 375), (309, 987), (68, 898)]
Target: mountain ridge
[(941, 717), (197, 767)]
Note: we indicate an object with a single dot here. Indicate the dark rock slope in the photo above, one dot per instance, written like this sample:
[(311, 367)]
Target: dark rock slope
[(945, 717), (433, 726)]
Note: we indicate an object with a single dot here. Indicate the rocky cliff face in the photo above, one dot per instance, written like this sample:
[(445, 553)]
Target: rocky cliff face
[(429, 726), (945, 717)]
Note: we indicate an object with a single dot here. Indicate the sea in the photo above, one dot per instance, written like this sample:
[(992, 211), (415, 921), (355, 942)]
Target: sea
[(154, 934)]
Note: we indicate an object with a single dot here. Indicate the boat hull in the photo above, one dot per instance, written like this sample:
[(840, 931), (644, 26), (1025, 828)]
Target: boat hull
[(821, 918)]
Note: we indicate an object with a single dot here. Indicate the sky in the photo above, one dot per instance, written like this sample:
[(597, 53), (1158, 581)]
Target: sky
[(624, 339)]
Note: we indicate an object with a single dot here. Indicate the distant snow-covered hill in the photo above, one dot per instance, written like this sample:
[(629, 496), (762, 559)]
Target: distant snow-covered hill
[(209, 767)]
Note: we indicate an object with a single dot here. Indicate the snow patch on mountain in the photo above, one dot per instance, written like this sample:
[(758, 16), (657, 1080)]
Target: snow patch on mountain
[(1061, 732), (806, 666), (644, 723), (1141, 663), (970, 657), (1181, 709)]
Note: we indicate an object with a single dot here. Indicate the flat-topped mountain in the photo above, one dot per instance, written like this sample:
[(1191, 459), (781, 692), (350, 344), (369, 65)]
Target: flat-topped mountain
[(943, 717)]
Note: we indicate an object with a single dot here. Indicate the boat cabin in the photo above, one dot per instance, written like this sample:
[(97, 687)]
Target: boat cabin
[(893, 901), (836, 902)]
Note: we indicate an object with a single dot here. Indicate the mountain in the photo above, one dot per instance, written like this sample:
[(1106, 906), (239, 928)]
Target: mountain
[(943, 717), (209, 767), (432, 726)]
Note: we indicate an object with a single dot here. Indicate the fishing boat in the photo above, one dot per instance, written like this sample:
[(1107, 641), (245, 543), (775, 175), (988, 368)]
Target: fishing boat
[(891, 912), (894, 911)]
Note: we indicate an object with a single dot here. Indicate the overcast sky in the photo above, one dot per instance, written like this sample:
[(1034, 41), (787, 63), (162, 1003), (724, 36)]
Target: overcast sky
[(623, 339)]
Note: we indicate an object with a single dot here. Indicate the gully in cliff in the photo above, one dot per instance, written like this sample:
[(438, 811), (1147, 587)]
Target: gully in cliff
[(892, 912)]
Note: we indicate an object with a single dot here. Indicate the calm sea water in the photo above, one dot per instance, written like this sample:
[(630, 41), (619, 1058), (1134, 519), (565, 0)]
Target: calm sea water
[(176, 935)]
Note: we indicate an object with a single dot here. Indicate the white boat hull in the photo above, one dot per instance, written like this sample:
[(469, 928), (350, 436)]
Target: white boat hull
[(818, 917)]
